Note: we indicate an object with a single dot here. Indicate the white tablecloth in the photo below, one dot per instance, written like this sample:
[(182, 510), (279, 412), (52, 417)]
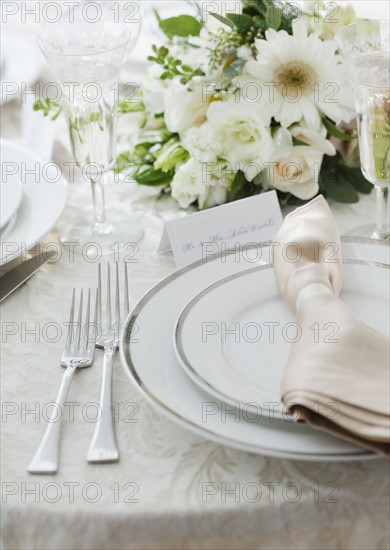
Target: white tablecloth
[(158, 495)]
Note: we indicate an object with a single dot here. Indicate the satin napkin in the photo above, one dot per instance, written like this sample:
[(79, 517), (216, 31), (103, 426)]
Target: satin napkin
[(337, 375)]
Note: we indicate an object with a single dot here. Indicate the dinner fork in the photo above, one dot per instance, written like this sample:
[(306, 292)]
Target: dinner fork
[(103, 446), (78, 353)]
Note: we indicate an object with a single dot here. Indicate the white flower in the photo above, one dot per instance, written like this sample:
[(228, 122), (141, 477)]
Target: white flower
[(153, 92), (215, 194), (295, 169), (307, 78), (184, 108), (195, 181), (202, 143), (244, 52), (332, 17), (243, 134), (188, 183), (193, 51)]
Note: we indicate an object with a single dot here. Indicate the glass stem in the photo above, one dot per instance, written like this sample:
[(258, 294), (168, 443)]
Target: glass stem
[(382, 221), (100, 226)]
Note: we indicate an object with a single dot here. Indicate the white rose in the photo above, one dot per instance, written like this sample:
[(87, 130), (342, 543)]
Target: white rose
[(188, 183), (295, 169), (215, 194), (153, 92), (243, 133), (202, 143), (184, 108)]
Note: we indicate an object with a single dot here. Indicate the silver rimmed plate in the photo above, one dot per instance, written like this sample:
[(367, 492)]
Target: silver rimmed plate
[(43, 200), (233, 339), (11, 196), (149, 359)]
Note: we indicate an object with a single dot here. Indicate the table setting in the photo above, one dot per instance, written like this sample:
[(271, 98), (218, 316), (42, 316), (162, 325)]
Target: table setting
[(208, 267)]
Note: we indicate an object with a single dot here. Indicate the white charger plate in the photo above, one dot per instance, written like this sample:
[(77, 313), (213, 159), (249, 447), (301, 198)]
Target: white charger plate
[(149, 359), (233, 339), (42, 203), (11, 196)]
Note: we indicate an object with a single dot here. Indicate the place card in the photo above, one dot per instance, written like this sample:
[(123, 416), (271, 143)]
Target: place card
[(253, 220)]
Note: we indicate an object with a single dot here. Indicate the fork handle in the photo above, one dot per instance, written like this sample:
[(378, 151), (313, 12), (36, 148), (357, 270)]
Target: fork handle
[(45, 460), (103, 446)]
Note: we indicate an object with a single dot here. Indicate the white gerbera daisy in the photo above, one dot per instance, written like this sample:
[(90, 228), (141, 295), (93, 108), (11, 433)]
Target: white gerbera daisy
[(304, 77)]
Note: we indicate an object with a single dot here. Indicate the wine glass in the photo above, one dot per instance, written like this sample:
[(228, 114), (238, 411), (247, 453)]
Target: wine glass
[(365, 47), (129, 13), (86, 60)]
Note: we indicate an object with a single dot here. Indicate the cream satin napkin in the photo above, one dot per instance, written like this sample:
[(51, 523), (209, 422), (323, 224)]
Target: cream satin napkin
[(337, 375)]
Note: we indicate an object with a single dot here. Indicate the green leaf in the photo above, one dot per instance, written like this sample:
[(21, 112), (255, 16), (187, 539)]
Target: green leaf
[(340, 189), (123, 162), (223, 20), (169, 155), (273, 17), (241, 21), (234, 68), (238, 182), (154, 177), (136, 106), (47, 106), (336, 132), (240, 187), (354, 175), (183, 25), (254, 6), (298, 143), (158, 16)]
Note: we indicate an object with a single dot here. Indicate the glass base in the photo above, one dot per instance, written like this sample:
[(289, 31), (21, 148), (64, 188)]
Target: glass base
[(93, 241), (369, 232)]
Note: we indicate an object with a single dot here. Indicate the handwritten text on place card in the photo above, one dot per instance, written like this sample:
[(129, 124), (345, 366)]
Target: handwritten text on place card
[(255, 219)]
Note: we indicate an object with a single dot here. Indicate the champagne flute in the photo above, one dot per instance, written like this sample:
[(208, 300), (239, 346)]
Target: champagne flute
[(86, 60), (365, 48)]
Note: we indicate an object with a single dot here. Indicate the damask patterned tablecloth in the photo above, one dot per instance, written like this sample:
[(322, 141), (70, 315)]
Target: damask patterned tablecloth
[(171, 489)]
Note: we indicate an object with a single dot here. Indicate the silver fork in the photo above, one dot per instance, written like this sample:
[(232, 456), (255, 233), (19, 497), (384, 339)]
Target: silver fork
[(103, 446), (78, 353)]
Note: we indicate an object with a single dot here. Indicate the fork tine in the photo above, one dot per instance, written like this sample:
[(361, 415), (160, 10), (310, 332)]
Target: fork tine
[(98, 311), (79, 323), (127, 304), (96, 327), (108, 312), (71, 319), (117, 302), (87, 320)]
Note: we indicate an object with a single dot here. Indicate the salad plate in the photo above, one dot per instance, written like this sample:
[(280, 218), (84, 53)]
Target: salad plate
[(234, 338)]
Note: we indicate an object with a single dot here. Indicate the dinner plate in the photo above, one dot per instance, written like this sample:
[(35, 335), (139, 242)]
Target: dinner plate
[(148, 357), (11, 196), (20, 63), (233, 339), (43, 201)]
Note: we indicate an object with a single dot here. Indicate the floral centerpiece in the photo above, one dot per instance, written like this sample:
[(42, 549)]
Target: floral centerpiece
[(259, 101), (239, 103)]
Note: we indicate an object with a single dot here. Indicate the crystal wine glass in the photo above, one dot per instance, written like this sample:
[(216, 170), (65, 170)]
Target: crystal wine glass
[(365, 48), (86, 60)]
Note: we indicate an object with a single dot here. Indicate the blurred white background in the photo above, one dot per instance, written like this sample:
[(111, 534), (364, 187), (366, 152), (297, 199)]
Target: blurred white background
[(30, 25)]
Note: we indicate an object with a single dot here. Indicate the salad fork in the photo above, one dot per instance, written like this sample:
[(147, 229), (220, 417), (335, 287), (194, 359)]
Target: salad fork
[(103, 446), (78, 353)]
